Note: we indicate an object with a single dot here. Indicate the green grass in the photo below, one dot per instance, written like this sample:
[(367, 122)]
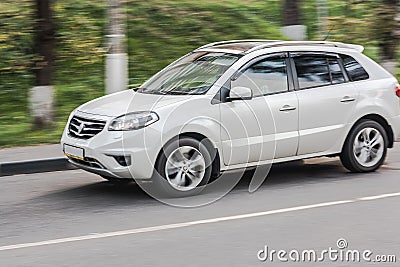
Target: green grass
[(16, 127), (159, 32)]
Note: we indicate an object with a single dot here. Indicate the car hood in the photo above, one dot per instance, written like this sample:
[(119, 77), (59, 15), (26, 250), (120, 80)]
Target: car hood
[(129, 101)]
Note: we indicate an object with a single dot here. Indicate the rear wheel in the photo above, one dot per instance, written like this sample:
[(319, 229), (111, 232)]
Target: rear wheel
[(365, 148)]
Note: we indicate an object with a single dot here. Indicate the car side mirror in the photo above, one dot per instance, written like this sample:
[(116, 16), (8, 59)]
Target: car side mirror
[(240, 93)]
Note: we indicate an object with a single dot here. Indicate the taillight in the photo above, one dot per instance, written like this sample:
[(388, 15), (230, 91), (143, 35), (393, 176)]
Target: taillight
[(397, 90)]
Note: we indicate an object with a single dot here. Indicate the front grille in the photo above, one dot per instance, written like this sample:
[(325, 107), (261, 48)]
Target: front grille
[(83, 128)]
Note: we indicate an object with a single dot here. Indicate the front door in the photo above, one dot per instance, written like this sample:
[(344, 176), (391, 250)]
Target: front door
[(265, 127)]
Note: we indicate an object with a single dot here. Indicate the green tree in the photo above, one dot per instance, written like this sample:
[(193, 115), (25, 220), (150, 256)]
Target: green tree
[(386, 28), (373, 23)]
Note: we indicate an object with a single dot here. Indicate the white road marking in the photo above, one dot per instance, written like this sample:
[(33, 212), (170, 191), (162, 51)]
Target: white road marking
[(379, 197), (192, 223)]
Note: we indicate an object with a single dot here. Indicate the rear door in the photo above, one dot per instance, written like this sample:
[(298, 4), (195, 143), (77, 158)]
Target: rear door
[(326, 100)]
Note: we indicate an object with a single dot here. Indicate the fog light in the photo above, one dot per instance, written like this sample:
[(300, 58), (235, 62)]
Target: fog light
[(123, 160)]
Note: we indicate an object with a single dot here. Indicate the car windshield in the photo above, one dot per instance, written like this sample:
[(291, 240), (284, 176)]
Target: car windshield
[(191, 75)]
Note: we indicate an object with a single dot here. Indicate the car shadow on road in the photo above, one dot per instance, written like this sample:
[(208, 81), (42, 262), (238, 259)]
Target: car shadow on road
[(106, 194), (102, 193), (299, 172)]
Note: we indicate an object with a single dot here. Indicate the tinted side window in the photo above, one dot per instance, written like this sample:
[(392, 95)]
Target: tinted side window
[(312, 71), (267, 76), (336, 71), (355, 71)]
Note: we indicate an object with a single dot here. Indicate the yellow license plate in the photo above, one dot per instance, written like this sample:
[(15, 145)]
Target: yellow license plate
[(74, 152)]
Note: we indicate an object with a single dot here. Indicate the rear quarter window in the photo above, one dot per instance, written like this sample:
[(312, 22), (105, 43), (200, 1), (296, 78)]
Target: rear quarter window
[(354, 69)]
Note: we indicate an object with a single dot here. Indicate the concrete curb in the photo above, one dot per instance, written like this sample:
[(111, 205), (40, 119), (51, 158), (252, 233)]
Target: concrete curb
[(35, 166)]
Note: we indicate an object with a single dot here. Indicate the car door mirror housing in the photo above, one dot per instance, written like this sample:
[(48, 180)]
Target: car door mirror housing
[(240, 93)]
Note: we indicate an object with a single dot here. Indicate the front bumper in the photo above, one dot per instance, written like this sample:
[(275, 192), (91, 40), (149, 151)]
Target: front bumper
[(100, 151), (99, 171)]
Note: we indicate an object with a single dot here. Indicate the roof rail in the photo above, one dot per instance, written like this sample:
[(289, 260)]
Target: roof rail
[(235, 41), (358, 48)]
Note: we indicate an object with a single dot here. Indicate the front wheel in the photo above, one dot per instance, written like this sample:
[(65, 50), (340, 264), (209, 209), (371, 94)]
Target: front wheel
[(365, 147), (183, 168)]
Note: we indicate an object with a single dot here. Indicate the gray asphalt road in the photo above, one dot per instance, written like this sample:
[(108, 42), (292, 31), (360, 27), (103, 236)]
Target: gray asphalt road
[(300, 207)]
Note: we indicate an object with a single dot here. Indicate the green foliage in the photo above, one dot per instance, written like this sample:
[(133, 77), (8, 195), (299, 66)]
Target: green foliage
[(80, 38), (370, 23), (79, 65), (385, 29), (15, 55), (159, 31)]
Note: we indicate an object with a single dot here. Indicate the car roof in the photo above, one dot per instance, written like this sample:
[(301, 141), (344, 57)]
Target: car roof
[(248, 46)]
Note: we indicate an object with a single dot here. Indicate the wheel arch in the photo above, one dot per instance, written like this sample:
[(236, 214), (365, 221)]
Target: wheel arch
[(382, 121), (214, 152)]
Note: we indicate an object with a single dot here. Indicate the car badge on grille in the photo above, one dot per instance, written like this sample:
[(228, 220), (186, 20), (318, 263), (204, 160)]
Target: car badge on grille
[(81, 127)]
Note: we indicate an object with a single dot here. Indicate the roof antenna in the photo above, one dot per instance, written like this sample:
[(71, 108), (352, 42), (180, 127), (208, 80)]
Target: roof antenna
[(328, 34)]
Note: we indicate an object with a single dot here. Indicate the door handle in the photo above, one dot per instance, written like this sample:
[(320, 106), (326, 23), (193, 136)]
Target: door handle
[(347, 99), (287, 108)]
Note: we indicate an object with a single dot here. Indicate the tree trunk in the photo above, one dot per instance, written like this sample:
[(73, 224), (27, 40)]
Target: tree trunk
[(292, 21), (386, 30), (117, 26), (291, 13), (44, 43), (41, 96), (117, 58), (389, 32)]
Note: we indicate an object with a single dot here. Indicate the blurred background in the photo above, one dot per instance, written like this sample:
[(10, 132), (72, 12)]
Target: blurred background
[(63, 44)]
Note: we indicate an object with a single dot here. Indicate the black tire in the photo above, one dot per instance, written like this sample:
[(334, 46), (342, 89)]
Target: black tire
[(161, 187), (117, 181), (348, 155)]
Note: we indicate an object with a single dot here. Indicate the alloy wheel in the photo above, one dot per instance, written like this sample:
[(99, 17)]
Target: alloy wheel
[(368, 147), (185, 168)]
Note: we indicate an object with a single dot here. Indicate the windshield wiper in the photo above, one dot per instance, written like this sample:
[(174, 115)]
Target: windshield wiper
[(153, 92), (178, 93)]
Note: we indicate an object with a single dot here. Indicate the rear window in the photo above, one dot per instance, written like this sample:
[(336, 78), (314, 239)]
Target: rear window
[(354, 70), (312, 71), (317, 70)]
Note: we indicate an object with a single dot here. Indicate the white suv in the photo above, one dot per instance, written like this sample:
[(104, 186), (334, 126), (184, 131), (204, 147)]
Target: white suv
[(238, 104)]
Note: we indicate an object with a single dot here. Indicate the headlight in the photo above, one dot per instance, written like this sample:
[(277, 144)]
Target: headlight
[(133, 121)]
